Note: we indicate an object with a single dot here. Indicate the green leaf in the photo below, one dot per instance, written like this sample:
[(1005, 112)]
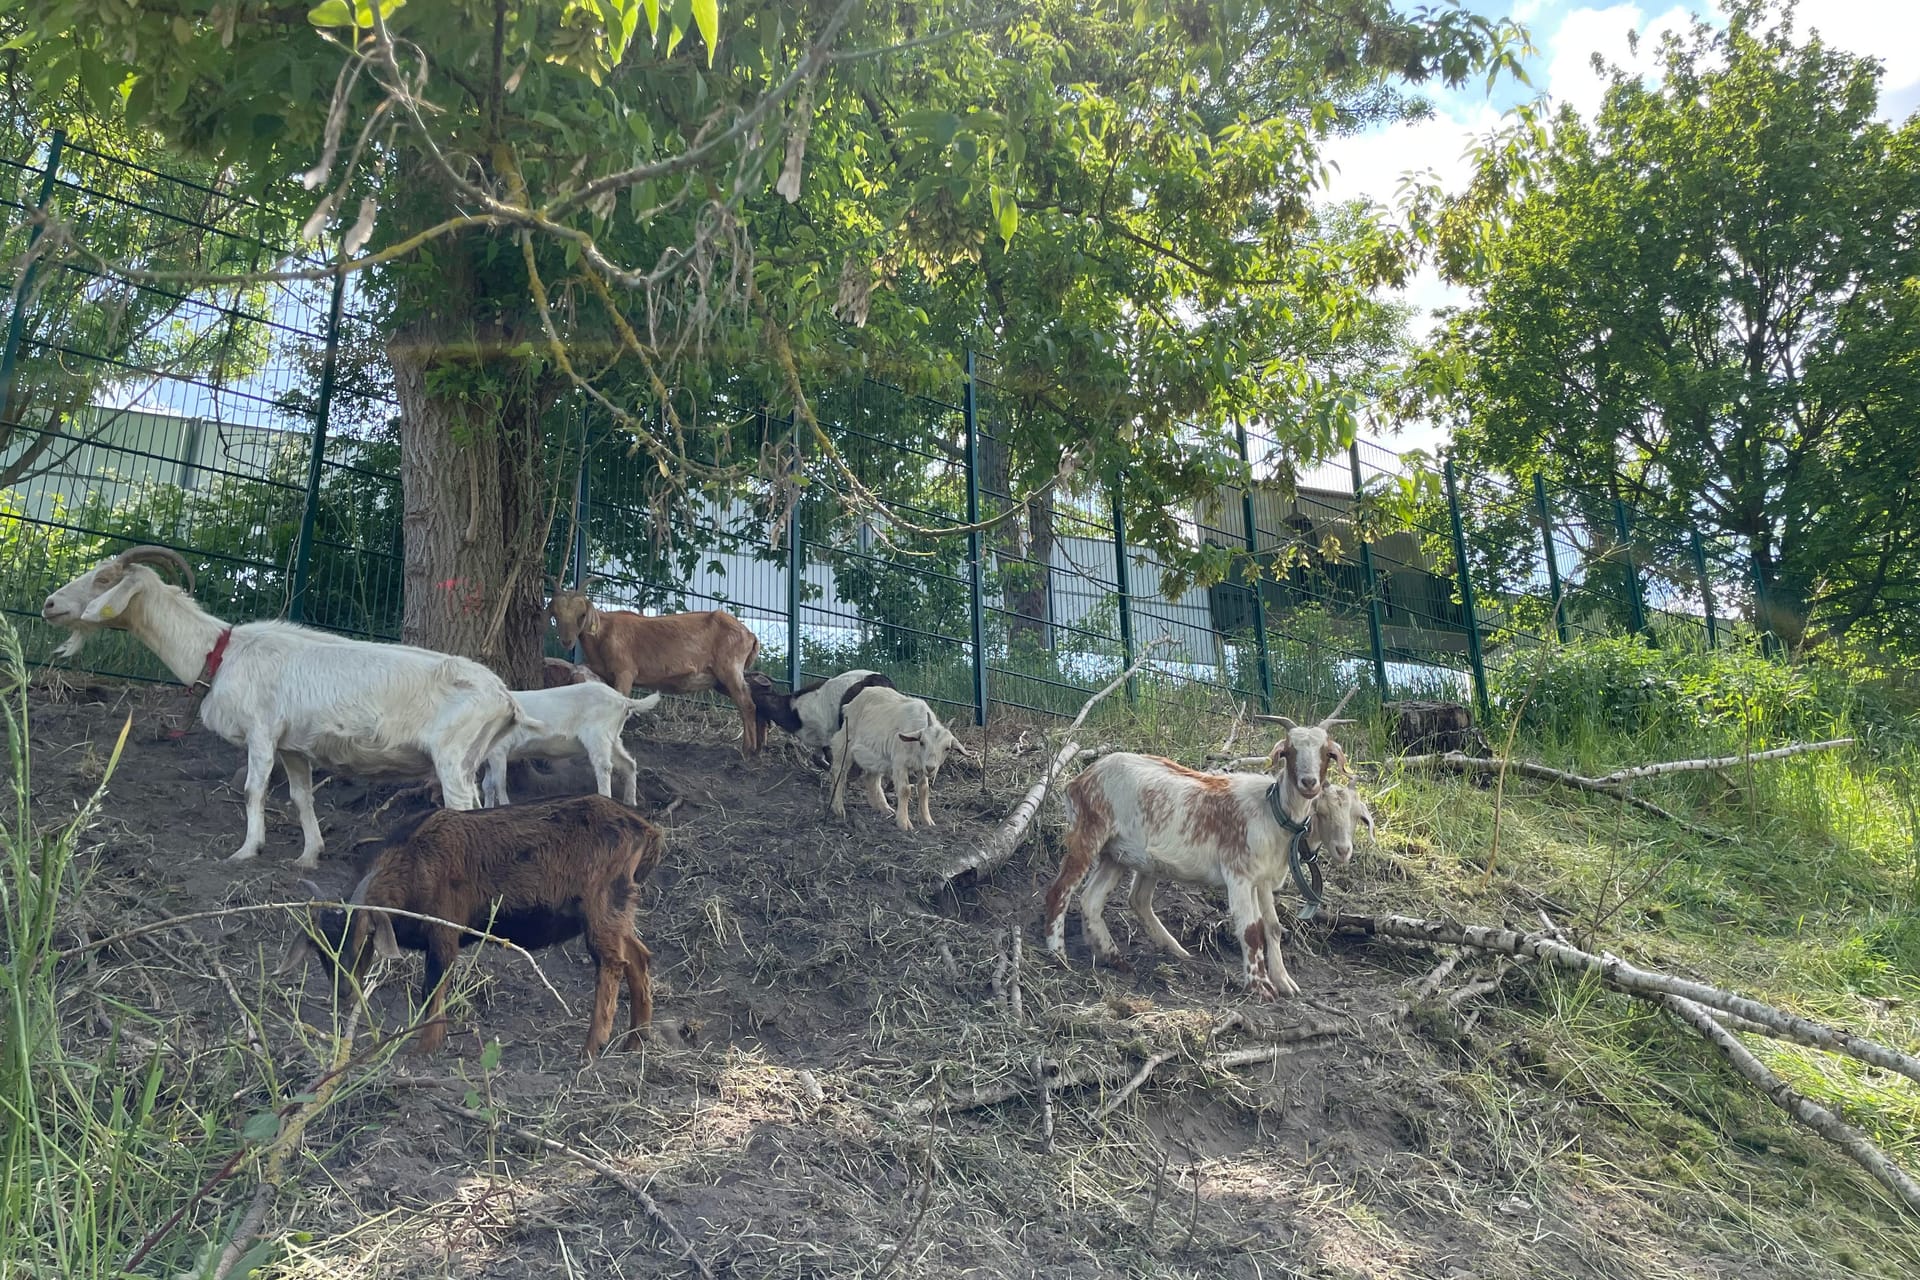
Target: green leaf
[(96, 78), (936, 126), (1008, 214), (262, 1126), (331, 13), (653, 19), (640, 127), (706, 13), (490, 1056)]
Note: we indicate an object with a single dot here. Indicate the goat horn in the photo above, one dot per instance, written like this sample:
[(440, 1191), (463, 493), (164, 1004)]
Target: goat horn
[(1282, 721), (1332, 716), (158, 555)]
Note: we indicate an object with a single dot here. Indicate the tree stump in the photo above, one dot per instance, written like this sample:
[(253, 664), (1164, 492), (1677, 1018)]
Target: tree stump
[(1435, 727)]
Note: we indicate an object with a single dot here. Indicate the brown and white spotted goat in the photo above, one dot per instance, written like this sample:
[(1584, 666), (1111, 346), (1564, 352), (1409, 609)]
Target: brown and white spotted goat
[(1155, 818)]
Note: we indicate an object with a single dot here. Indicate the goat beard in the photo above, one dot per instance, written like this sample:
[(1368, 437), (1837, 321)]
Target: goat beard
[(74, 642)]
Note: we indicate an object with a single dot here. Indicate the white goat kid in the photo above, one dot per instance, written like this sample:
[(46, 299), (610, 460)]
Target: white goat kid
[(576, 720), (302, 696), (886, 732), (1154, 818)]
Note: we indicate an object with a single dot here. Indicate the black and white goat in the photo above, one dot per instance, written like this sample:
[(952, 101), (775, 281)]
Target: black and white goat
[(813, 712)]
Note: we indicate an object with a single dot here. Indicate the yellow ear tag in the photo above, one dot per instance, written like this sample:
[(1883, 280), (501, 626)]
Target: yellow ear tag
[(108, 612)]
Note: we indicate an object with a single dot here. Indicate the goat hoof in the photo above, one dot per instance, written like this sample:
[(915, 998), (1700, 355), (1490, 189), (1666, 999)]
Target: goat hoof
[(245, 855)]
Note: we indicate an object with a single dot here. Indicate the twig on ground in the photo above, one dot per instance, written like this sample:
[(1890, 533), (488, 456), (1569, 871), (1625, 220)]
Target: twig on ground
[(1126, 1090), (1153, 1205), (1014, 1006), (1043, 1067), (632, 1185), (1721, 762), (1431, 983), (274, 1156)]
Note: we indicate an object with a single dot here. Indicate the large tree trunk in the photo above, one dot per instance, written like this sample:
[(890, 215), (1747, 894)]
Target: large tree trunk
[(475, 510), (1025, 549)]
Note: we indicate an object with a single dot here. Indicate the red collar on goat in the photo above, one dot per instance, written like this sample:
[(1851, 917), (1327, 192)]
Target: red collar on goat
[(211, 667)]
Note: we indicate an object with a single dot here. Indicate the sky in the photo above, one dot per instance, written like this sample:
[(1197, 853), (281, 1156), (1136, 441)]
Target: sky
[(1567, 34)]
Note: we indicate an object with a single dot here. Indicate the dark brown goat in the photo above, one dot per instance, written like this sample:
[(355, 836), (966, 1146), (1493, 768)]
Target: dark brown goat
[(533, 874)]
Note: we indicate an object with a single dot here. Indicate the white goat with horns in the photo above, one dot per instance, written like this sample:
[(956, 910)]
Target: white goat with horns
[(307, 697)]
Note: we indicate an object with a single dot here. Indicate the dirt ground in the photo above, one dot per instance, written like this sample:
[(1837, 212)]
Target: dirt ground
[(826, 1017)]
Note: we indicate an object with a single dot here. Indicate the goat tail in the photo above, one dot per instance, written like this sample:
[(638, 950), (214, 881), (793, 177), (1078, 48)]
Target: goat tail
[(511, 717), (636, 705)]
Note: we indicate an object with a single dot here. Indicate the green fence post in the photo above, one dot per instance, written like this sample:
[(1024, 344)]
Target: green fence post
[(1474, 656), (1366, 572), (1636, 611), (17, 324), (1122, 590), (970, 410), (1706, 586), (316, 456), (1553, 557), (796, 566), (1253, 576)]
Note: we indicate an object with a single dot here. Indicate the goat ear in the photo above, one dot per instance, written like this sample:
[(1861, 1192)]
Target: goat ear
[(103, 609), (1366, 816), (1280, 748), (1338, 752)]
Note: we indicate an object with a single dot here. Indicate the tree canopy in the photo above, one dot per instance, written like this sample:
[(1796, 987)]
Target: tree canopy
[(1704, 303), (658, 207)]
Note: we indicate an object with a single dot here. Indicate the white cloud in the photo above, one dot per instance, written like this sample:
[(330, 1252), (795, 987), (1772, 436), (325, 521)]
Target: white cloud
[(1570, 75), (1885, 29)]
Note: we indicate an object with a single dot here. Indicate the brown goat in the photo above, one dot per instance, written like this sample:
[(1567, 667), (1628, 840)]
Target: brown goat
[(677, 653), (533, 874)]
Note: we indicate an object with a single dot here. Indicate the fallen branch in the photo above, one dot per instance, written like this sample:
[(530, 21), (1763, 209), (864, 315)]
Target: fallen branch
[(1457, 762), (1809, 1113), (293, 1129), (1126, 1090), (998, 848), (627, 1181), (1617, 973), (171, 922), (1723, 762)]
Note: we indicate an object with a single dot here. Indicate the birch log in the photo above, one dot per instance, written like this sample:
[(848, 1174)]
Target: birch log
[(1455, 762), (1617, 973), (1808, 1112), (1722, 762)]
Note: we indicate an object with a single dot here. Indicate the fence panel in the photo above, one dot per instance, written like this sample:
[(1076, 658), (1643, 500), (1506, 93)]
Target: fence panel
[(254, 429), (136, 410)]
